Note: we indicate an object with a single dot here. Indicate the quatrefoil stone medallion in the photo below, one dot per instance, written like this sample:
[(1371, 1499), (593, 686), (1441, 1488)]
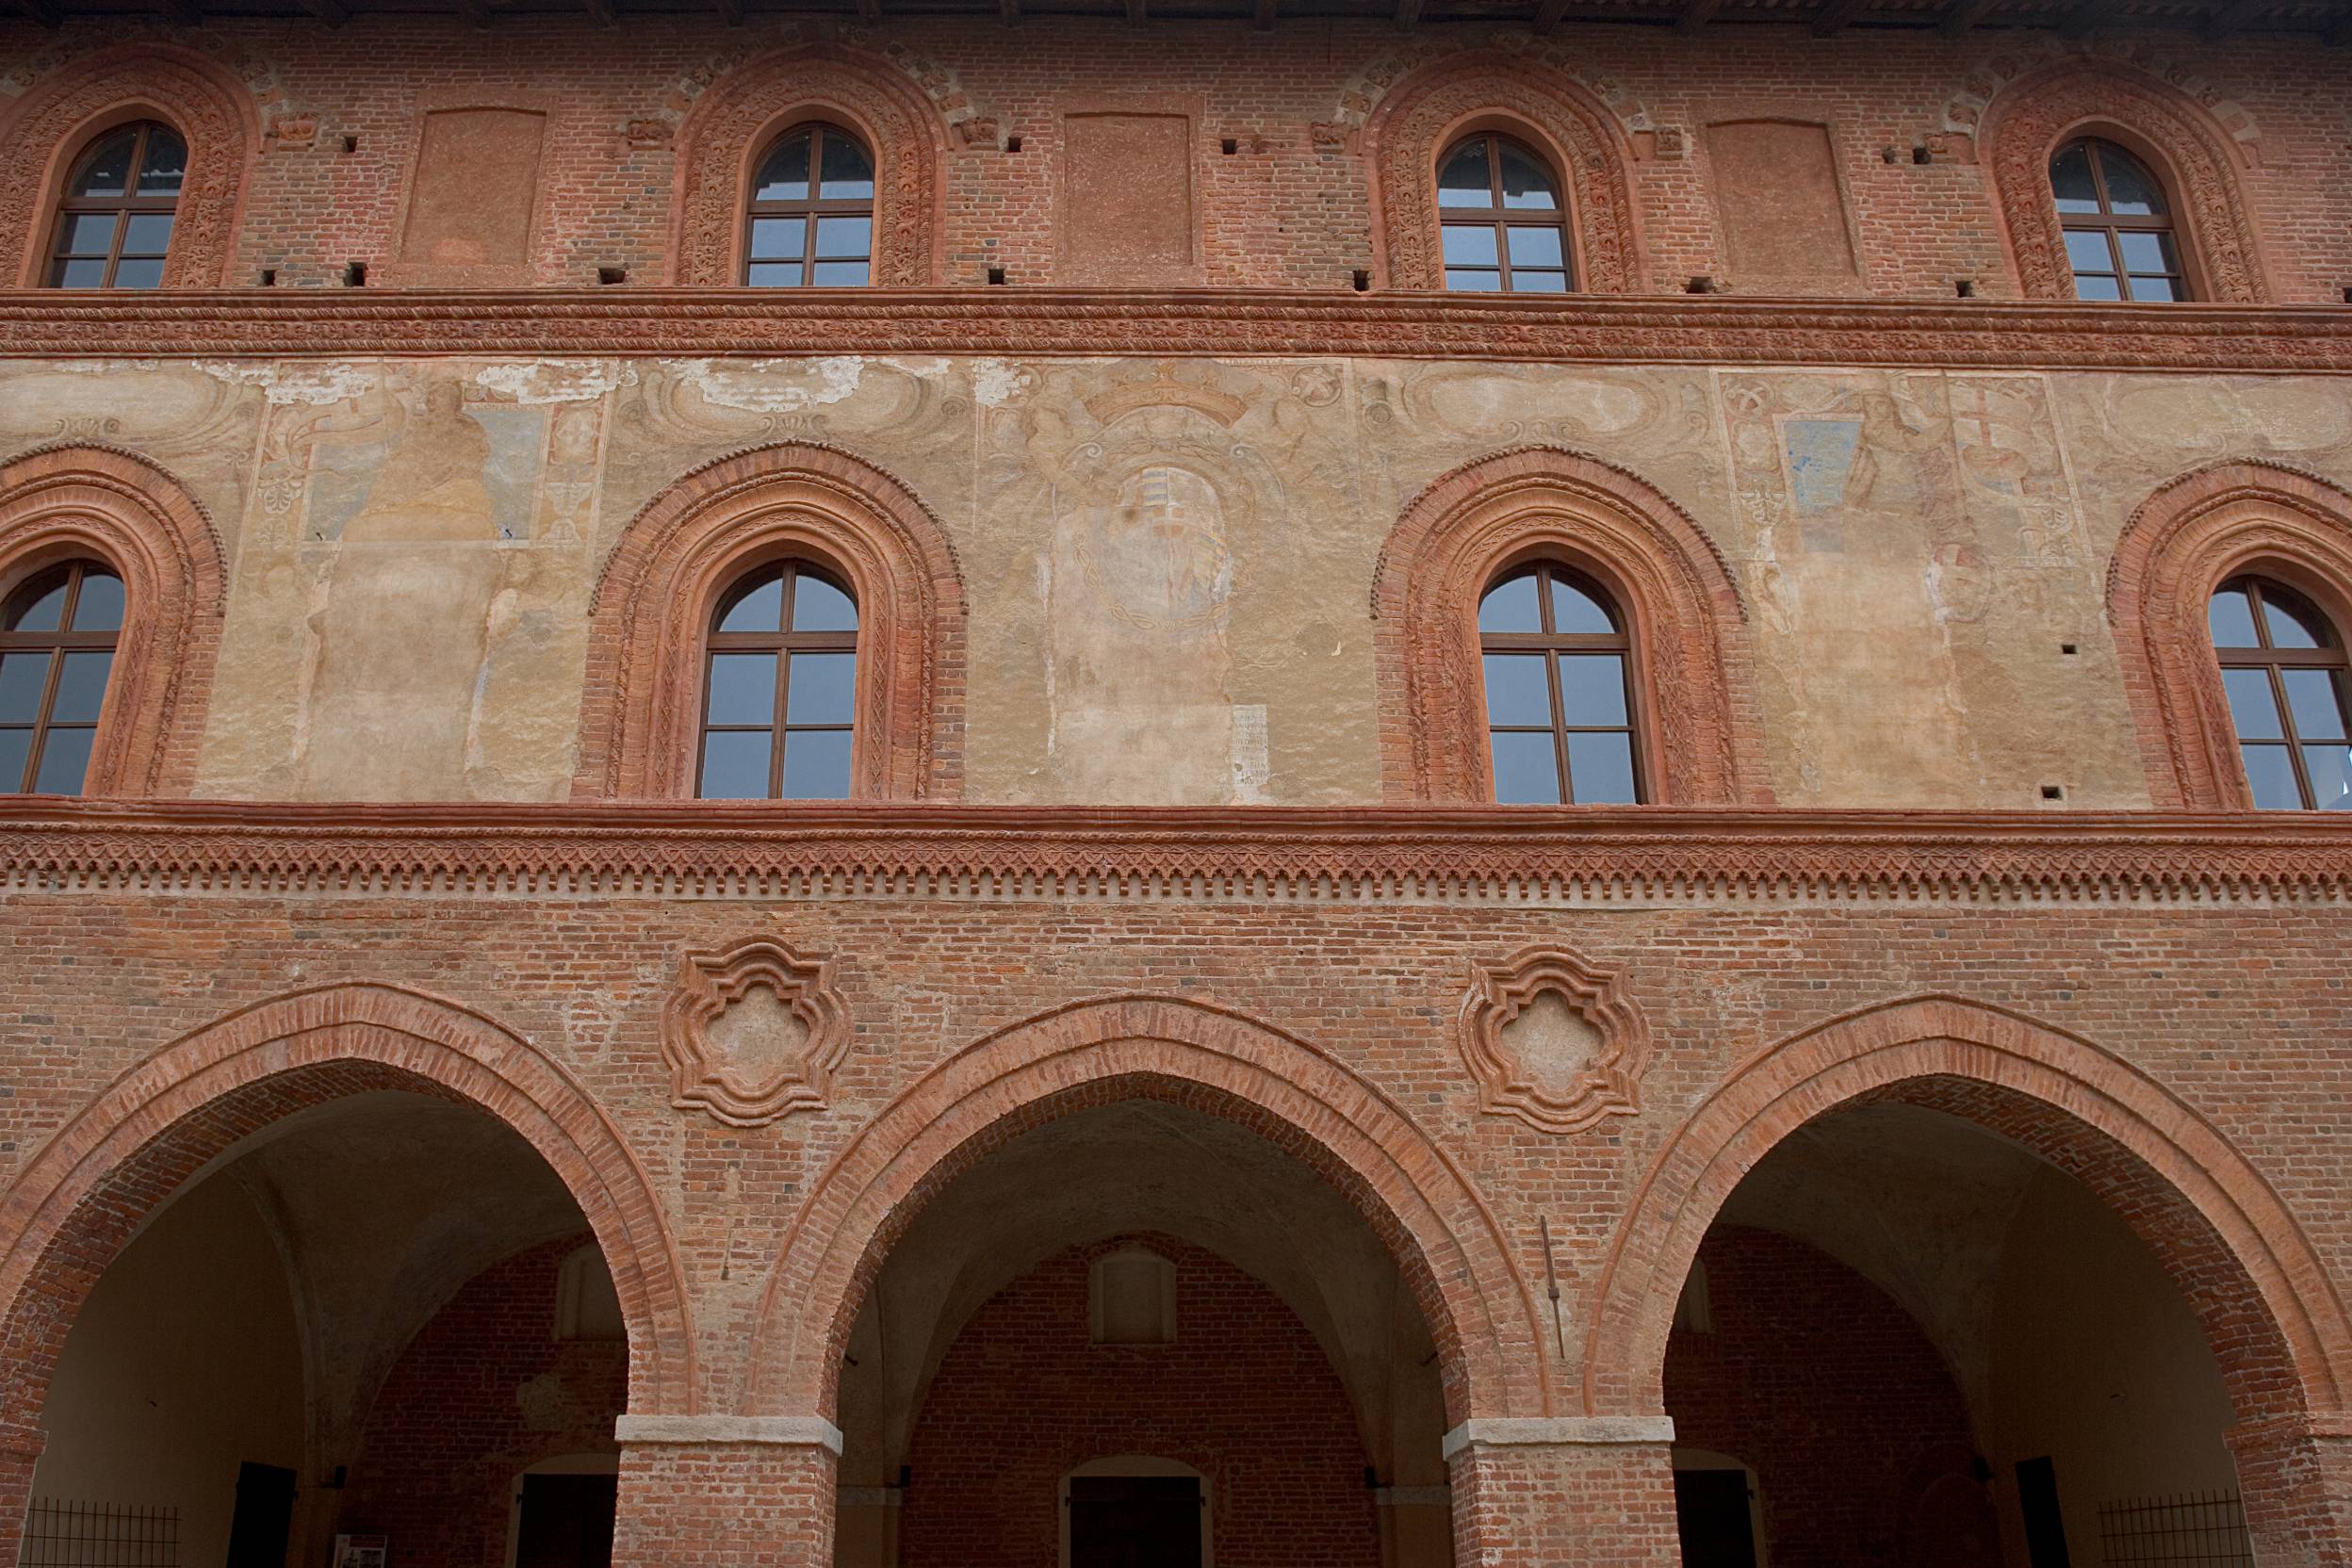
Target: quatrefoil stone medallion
[(1552, 1040), (753, 1032)]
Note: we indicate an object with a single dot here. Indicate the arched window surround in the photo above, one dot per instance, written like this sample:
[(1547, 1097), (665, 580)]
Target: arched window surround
[(733, 126), (641, 714), (1434, 108), (211, 111), (2192, 155), (1698, 733), (111, 507), (2227, 520)]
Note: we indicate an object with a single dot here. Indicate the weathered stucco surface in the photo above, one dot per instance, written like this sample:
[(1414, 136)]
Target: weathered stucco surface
[(1168, 565)]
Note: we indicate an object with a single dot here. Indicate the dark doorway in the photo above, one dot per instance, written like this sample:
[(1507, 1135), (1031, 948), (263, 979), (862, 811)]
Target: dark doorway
[(1711, 1509), (567, 1521), (1134, 1522), (264, 1516)]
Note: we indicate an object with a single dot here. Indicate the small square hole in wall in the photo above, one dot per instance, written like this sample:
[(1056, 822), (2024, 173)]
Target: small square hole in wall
[(1920, 155), (1362, 279), (2054, 791), (354, 274), (611, 274), (269, 277), (996, 274), (351, 144), (2070, 650), (1230, 146), (1964, 287), (1012, 144), (2347, 296)]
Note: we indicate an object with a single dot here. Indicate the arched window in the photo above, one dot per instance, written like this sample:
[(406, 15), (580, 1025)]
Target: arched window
[(811, 212), (780, 688), (2118, 225), (1500, 219), (1559, 690), (114, 223), (2283, 668), (57, 634)]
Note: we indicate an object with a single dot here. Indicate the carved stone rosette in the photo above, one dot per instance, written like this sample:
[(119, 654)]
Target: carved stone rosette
[(1552, 1040), (753, 1032)]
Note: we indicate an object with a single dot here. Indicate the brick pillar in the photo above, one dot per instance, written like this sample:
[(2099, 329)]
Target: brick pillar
[(1575, 1491), (725, 1492), (20, 1450), (2295, 1475)]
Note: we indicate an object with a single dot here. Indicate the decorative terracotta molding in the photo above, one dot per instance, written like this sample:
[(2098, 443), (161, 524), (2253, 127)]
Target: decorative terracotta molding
[(1697, 726), (1497, 855), (2180, 544), (1573, 330), (58, 118), (1422, 115), (2193, 156), (732, 124), (1598, 1067), (67, 501), (751, 1082), (641, 716)]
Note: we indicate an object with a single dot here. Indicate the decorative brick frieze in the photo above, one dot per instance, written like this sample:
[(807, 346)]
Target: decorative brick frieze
[(753, 1032), (1552, 1040)]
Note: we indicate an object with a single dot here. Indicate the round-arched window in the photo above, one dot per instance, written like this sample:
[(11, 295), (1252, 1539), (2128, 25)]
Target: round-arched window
[(1501, 221), (1559, 690), (779, 693), (810, 217), (115, 216), (2118, 226), (58, 636)]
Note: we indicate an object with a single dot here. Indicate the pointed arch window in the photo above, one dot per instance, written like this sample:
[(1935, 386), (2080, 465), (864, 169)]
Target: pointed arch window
[(2117, 224), (121, 201), (1558, 681), (1500, 219), (57, 637), (810, 219), (780, 686), (2283, 666)]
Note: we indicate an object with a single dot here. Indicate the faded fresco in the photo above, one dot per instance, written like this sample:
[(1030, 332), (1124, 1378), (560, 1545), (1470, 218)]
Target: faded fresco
[(1168, 562)]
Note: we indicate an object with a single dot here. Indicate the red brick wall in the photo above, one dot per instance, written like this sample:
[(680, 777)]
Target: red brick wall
[(1245, 1395), (455, 1422), (1824, 1386)]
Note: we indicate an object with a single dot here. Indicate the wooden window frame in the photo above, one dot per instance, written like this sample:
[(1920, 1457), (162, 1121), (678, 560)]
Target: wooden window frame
[(1500, 219), (55, 646), (1551, 643), (812, 208), (2113, 225), (781, 645), (2275, 661), (124, 207)]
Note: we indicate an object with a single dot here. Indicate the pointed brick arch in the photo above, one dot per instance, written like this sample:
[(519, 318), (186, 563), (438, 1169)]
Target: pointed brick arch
[(2188, 150), (2180, 544), (1493, 1353), (1687, 624), (1423, 114), (209, 109), (67, 501)]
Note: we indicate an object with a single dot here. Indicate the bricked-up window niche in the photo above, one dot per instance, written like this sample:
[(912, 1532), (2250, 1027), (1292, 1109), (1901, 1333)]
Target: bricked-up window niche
[(121, 199), (2118, 223), (779, 693), (587, 1303), (2283, 668), (810, 220), (1131, 1298), (1559, 704), (57, 634), (1500, 219)]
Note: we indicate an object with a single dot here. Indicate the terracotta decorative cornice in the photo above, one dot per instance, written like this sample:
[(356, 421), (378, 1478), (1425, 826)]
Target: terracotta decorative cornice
[(1672, 329), (1590, 853)]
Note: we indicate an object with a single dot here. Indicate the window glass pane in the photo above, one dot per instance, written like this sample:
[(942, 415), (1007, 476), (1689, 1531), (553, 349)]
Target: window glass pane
[(16, 749), (1534, 247), (2144, 252), (822, 687), (1526, 182), (64, 759), (2293, 624), (848, 173), (1522, 281), (2271, 776), (2090, 286), (2131, 189), (757, 608), (87, 234), (22, 677), (1464, 281), (79, 274), (772, 274), (742, 688), (2232, 619), (777, 239), (844, 237), (735, 765), (2312, 699), (99, 606), (2087, 251), (1600, 770), (2251, 707), (82, 686), (165, 165), (1463, 182), (1526, 772), (1591, 690), (38, 604), (818, 606), (1515, 693), (149, 233), (2331, 767), (109, 166), (131, 272), (1574, 610), (2153, 290), (1469, 245), (785, 176), (2070, 180), (1511, 606), (839, 274), (816, 765)]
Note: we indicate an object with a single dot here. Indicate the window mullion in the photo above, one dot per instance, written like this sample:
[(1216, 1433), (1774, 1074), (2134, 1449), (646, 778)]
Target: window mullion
[(42, 717), (2294, 738)]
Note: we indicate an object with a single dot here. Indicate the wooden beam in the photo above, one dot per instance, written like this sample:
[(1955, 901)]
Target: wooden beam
[(600, 11), (2230, 18), (1963, 15), (1136, 11), (330, 12), (475, 13), (183, 13), (731, 12), (1408, 12), (1835, 15), (1262, 15), (1009, 10), (869, 11), (1547, 14), (1697, 14)]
